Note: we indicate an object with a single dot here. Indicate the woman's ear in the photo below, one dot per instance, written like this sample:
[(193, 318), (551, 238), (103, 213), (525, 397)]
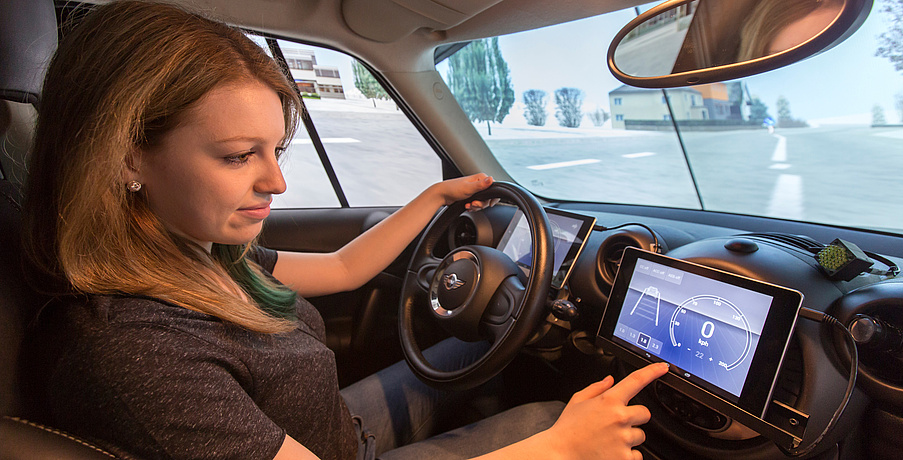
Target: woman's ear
[(132, 170)]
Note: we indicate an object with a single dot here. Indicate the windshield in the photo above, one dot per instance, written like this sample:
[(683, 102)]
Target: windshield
[(818, 141)]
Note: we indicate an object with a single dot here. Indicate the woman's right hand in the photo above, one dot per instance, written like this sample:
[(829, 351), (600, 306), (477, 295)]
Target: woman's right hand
[(598, 423)]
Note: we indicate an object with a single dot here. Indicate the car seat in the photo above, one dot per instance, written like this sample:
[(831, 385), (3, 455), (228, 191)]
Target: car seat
[(28, 39)]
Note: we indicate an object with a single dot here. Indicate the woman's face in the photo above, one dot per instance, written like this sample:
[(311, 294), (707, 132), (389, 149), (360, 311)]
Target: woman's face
[(804, 28), (212, 178)]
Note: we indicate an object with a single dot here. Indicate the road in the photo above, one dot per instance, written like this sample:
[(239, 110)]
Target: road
[(379, 158), (844, 175), (836, 174), (652, 54)]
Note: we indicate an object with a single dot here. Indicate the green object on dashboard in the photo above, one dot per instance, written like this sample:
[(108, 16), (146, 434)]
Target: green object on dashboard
[(842, 260)]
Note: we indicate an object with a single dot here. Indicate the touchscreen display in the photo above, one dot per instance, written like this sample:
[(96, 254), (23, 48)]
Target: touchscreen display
[(705, 327), (569, 233), (725, 335)]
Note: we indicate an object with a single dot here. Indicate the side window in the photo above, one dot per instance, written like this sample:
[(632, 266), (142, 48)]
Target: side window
[(379, 157)]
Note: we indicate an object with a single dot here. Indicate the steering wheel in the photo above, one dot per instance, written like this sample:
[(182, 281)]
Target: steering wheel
[(477, 293)]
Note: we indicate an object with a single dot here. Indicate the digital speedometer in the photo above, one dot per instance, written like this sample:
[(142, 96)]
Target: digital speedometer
[(724, 335), (708, 329), (713, 329), (721, 332)]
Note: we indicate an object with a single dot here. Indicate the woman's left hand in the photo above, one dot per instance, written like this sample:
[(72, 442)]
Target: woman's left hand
[(316, 274), (453, 190)]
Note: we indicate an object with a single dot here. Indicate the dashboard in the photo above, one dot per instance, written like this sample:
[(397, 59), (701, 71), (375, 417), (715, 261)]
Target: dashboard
[(815, 369)]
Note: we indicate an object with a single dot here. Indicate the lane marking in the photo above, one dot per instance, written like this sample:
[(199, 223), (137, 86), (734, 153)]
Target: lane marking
[(563, 164), (787, 197), (780, 150), (638, 155), (327, 140), (780, 166)]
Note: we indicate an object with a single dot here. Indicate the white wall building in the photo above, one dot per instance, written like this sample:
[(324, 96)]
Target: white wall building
[(312, 78), (629, 103)]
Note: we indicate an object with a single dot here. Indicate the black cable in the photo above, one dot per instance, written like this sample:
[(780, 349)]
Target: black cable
[(655, 246), (815, 247), (815, 315), (892, 269)]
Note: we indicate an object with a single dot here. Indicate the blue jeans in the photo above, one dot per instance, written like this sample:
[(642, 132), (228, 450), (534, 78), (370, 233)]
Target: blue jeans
[(405, 414)]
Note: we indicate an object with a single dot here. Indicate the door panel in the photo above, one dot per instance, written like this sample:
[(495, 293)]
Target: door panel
[(360, 325), (318, 230)]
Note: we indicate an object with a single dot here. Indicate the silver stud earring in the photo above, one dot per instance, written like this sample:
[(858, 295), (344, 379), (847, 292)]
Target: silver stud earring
[(133, 186)]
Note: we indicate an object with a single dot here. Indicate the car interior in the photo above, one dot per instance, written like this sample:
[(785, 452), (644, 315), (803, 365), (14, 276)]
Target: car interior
[(553, 266)]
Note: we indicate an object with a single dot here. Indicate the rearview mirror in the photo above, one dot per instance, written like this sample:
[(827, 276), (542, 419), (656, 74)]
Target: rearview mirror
[(691, 42)]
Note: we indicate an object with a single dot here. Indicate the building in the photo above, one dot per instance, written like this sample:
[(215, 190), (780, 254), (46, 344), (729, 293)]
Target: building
[(726, 104), (312, 78), (683, 13), (738, 94), (629, 103), (716, 101)]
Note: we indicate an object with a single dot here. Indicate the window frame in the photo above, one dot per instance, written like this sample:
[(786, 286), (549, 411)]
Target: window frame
[(449, 170)]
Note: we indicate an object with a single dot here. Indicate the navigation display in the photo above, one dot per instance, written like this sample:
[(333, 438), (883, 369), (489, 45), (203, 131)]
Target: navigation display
[(569, 232), (724, 334)]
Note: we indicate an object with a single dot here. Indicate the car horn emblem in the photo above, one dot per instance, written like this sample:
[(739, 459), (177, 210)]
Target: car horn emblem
[(452, 282)]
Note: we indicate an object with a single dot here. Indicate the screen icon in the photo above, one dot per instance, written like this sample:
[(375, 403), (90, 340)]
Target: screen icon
[(643, 340)]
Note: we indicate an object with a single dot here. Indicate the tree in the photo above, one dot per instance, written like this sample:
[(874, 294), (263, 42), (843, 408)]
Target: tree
[(367, 84), (598, 116), (569, 102), (785, 119), (735, 90), (479, 78), (783, 105), (758, 111), (898, 104), (890, 43), (878, 115), (535, 107)]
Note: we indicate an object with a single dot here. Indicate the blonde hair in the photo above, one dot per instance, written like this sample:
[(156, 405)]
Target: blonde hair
[(768, 19), (119, 81)]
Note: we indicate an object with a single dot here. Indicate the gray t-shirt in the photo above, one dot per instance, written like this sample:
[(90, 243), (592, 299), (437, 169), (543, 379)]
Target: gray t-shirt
[(162, 381)]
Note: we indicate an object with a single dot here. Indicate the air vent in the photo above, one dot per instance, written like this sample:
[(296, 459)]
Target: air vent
[(797, 241), (609, 255), (613, 258)]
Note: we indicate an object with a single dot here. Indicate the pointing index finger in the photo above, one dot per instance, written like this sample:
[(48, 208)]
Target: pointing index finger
[(631, 385)]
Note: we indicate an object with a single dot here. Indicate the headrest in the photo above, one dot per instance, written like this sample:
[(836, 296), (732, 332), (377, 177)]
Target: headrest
[(28, 39)]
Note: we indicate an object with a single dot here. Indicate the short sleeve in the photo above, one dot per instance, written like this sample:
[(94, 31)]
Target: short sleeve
[(164, 393), (264, 257)]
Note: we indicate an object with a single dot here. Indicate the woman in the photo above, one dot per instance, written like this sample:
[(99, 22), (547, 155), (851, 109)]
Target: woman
[(153, 169), (775, 26)]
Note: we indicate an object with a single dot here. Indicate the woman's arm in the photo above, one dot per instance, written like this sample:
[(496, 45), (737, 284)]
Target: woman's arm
[(597, 423), (293, 450), (314, 274)]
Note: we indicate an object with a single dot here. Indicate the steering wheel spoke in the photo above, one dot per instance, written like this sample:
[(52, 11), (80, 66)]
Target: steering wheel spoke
[(495, 332), (418, 289), (505, 302), (425, 272)]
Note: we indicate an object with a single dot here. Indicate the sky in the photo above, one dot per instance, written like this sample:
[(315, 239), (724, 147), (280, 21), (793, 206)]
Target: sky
[(842, 83), (845, 80)]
